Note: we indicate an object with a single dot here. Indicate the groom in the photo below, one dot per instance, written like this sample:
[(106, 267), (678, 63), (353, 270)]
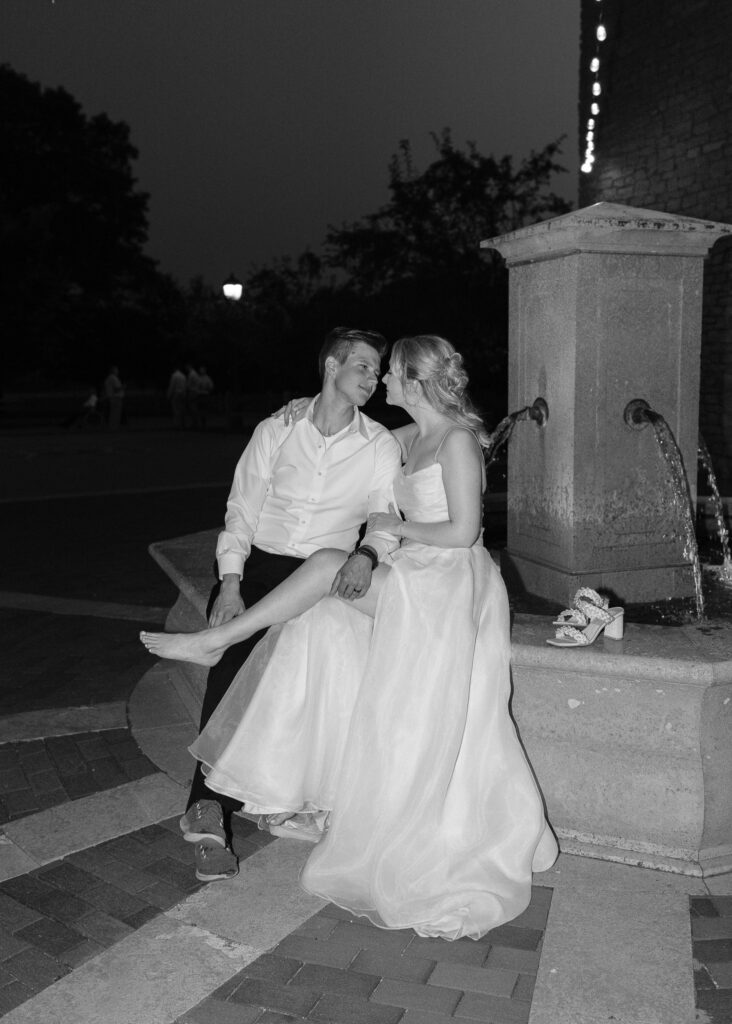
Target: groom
[(296, 489)]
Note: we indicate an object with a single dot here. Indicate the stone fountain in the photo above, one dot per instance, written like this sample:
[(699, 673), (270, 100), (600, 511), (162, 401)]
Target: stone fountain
[(631, 740), (605, 308)]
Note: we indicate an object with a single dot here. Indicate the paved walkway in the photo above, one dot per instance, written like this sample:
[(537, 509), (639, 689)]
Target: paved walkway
[(101, 918)]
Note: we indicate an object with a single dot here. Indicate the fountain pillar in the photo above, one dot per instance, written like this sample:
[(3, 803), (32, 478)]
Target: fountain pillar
[(605, 307)]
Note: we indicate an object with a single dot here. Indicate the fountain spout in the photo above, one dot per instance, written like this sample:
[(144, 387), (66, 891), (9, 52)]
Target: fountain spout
[(538, 412), (636, 414)]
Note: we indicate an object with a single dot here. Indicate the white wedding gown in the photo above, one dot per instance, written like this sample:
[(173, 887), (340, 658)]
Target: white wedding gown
[(400, 728)]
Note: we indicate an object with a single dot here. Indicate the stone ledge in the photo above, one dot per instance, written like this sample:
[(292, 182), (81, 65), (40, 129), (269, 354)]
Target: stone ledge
[(631, 740)]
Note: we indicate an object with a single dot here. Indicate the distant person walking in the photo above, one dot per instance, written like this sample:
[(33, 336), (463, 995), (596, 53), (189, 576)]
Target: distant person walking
[(206, 389), (176, 395), (193, 396), (114, 394)]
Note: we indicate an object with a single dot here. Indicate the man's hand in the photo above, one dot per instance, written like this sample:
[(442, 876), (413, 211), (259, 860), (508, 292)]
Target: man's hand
[(228, 603), (353, 579)]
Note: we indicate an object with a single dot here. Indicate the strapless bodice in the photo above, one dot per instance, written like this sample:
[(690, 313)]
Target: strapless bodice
[(421, 495)]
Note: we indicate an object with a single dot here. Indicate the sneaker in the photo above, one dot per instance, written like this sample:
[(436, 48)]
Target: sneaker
[(204, 820), (214, 862)]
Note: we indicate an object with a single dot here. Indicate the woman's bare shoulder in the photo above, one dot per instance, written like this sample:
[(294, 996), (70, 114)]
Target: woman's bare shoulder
[(405, 435), (459, 442)]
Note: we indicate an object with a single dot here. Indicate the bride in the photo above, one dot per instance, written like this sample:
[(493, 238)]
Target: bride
[(388, 716)]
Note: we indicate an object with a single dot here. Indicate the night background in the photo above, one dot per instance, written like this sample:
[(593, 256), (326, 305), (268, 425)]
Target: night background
[(343, 160)]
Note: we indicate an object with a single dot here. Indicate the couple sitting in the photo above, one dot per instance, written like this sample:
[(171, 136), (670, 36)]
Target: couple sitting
[(373, 717)]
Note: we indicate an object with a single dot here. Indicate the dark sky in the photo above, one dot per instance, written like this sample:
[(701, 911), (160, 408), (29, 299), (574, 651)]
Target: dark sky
[(260, 122)]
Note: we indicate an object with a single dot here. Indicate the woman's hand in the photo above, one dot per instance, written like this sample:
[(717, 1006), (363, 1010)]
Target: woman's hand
[(293, 411), (386, 522)]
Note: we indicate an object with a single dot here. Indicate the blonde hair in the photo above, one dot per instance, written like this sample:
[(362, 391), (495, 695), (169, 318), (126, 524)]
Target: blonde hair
[(433, 362)]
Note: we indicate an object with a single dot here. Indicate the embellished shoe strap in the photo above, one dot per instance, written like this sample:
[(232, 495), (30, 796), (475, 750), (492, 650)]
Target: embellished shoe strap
[(572, 633), (572, 617), (593, 613)]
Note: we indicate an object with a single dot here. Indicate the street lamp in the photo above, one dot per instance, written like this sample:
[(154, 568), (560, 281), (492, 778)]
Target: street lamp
[(232, 288)]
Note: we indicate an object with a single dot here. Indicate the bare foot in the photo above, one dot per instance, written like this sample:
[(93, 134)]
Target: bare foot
[(278, 819), (198, 648)]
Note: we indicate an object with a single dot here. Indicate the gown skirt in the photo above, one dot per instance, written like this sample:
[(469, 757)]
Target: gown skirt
[(400, 728)]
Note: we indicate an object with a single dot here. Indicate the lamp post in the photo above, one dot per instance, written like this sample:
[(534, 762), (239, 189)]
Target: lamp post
[(232, 288)]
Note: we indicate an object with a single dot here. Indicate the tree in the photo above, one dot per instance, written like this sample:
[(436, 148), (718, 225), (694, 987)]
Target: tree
[(415, 265), (72, 230), (434, 222)]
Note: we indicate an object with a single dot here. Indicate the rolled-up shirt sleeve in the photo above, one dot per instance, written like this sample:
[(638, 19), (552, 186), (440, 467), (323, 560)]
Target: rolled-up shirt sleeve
[(387, 462), (246, 498)]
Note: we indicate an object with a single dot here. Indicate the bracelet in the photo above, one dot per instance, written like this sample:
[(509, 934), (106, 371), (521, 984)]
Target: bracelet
[(364, 549)]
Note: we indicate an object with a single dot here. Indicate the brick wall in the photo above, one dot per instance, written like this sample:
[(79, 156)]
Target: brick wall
[(663, 141)]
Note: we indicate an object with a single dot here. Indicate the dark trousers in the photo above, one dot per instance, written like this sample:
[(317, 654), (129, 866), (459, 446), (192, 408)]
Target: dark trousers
[(262, 573)]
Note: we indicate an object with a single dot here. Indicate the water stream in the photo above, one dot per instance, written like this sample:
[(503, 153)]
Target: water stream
[(681, 498), (637, 415), (717, 507)]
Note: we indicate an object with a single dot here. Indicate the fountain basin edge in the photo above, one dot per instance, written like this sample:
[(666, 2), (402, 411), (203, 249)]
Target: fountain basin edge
[(630, 740)]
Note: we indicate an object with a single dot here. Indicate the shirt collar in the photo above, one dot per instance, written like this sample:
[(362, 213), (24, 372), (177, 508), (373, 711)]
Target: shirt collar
[(358, 423)]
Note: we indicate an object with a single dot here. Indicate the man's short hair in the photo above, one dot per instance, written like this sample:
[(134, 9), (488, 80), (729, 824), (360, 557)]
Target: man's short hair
[(341, 340)]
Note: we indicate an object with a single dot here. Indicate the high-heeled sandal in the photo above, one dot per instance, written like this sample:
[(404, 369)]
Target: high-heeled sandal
[(583, 609), (608, 619)]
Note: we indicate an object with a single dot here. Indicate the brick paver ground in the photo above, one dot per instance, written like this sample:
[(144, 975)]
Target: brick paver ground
[(335, 967), (55, 661), (711, 933), (339, 968), (38, 774), (67, 912)]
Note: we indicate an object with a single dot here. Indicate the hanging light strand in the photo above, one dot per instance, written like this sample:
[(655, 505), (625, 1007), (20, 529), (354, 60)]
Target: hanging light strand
[(595, 93)]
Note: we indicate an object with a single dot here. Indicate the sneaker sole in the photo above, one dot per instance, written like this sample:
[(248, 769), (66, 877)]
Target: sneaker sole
[(198, 837)]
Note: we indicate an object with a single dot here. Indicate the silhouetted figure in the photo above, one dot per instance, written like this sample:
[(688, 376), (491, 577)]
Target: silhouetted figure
[(114, 394), (176, 395), (193, 396), (206, 389)]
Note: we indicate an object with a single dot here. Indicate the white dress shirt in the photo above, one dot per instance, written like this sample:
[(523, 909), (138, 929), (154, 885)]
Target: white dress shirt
[(296, 491)]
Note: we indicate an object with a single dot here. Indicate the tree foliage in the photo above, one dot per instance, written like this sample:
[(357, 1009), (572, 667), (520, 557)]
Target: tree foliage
[(77, 288), (78, 292), (434, 221), (415, 264)]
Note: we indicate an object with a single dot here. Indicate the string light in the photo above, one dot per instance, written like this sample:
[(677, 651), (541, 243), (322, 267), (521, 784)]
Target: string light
[(596, 90)]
